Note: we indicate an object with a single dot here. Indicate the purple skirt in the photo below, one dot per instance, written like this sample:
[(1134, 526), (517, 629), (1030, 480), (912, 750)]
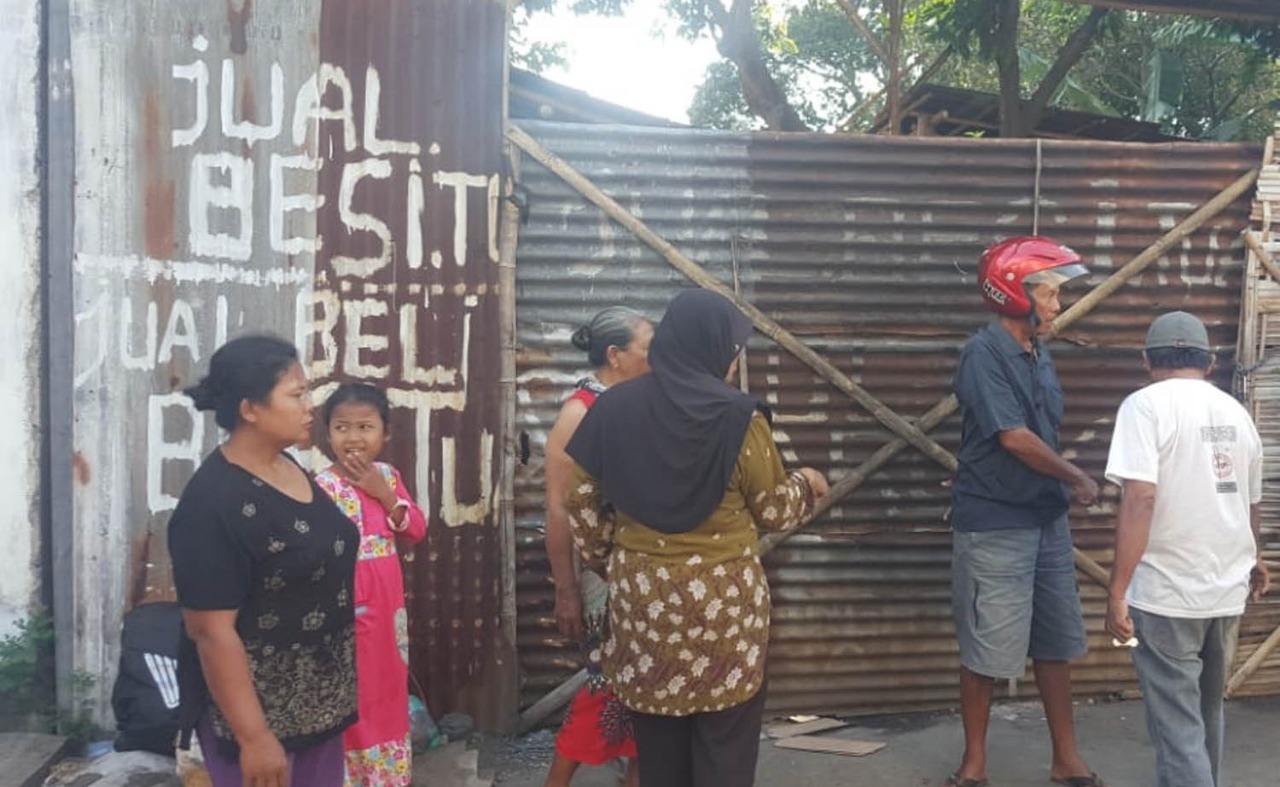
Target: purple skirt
[(321, 765)]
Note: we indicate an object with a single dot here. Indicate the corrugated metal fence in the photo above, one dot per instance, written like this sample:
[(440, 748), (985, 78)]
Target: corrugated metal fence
[(865, 247)]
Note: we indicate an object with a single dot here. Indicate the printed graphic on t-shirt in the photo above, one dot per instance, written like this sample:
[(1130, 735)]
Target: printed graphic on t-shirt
[(1218, 434), (1223, 466)]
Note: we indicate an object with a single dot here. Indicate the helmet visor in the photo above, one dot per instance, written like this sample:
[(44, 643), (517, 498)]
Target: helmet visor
[(1056, 276)]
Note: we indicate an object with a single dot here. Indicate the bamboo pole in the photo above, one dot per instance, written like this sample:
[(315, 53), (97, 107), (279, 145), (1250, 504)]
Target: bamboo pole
[(508, 694), (552, 702), (765, 324), (847, 485), (1264, 257), (1135, 266), (1255, 661)]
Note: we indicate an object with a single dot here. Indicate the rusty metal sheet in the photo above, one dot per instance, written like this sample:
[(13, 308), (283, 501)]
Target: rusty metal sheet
[(324, 170), (866, 247)]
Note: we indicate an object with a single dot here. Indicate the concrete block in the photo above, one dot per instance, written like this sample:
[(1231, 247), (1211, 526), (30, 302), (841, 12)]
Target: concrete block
[(26, 758)]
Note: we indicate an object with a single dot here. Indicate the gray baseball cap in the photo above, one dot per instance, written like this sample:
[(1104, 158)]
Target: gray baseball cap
[(1178, 329)]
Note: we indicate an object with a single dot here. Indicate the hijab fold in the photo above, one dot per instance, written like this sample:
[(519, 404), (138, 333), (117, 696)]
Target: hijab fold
[(663, 446)]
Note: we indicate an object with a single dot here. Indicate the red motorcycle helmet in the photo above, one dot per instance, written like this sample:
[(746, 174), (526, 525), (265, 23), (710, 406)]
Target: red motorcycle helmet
[(1011, 267)]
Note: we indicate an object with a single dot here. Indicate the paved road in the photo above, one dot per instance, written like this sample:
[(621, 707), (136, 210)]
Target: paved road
[(922, 749)]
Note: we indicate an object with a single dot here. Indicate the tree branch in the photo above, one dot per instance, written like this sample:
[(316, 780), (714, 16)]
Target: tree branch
[(740, 43), (865, 30), (1068, 56)]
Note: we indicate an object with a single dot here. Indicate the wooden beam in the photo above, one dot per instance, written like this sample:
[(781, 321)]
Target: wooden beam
[(556, 699), (859, 476), (1260, 251), (1255, 661), (1138, 264), (763, 323)]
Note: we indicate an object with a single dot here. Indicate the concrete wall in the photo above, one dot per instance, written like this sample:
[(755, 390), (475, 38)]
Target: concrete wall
[(19, 309)]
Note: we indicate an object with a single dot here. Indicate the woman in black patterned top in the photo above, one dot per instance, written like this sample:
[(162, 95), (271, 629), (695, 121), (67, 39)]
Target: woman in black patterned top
[(264, 564)]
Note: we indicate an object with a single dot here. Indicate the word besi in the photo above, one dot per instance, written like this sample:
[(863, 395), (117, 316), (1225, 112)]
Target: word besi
[(224, 181)]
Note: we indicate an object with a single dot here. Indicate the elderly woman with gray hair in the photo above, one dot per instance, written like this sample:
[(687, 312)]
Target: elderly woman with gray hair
[(597, 728)]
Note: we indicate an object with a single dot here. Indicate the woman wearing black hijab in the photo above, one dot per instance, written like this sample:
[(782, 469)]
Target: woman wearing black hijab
[(675, 471)]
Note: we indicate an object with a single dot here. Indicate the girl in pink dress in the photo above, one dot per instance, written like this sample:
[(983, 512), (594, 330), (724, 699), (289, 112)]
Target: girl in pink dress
[(372, 494)]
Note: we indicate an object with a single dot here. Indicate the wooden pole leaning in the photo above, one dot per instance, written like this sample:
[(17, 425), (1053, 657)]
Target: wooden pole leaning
[(763, 323), (1255, 661), (556, 699), (1260, 251), (1139, 263)]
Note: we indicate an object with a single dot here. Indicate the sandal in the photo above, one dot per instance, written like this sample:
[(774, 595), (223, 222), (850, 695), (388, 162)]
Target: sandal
[(954, 780), (1092, 780)]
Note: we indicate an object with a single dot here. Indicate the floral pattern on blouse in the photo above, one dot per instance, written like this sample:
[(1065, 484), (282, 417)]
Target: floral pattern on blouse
[(689, 613)]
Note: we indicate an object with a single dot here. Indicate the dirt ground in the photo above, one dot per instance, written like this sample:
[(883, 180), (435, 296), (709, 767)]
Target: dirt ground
[(922, 749)]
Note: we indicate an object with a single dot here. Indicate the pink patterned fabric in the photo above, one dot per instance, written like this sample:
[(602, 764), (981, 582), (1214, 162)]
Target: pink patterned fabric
[(378, 753)]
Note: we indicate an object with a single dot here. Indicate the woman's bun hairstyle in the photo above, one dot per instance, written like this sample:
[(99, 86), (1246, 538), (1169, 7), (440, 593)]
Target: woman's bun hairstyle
[(244, 368)]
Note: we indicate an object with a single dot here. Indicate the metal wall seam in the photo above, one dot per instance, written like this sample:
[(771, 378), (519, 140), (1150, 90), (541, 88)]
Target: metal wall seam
[(866, 248)]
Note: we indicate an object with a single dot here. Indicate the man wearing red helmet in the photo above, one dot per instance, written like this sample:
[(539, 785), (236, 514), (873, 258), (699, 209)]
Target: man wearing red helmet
[(1014, 583)]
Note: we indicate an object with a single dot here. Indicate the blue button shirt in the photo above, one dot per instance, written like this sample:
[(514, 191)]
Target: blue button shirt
[(1001, 387)]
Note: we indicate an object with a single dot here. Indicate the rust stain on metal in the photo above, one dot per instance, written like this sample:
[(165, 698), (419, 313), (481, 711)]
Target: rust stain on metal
[(408, 265), (238, 19), (867, 247), (158, 216), (80, 467)]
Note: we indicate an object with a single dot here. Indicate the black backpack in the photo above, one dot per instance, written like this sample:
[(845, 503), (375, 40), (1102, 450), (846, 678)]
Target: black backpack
[(145, 696)]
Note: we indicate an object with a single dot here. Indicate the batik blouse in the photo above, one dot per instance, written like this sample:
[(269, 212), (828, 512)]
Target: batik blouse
[(689, 613)]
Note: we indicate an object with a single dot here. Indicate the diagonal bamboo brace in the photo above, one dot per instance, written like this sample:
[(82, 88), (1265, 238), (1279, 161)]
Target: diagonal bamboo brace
[(765, 324)]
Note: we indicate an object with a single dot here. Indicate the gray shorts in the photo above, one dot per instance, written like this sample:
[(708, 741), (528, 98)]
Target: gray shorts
[(1015, 595)]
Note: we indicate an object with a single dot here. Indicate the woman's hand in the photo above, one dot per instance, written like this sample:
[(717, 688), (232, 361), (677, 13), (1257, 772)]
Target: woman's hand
[(817, 482), (263, 762), (569, 611)]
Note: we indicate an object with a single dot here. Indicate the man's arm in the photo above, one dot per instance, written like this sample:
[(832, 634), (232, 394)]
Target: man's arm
[(1035, 453), (1133, 531)]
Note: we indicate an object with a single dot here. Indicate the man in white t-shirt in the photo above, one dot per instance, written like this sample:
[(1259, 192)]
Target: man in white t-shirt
[(1190, 463)]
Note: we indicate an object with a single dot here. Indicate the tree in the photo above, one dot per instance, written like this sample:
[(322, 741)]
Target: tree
[(818, 60), (826, 64), (1228, 85), (739, 31), (991, 29)]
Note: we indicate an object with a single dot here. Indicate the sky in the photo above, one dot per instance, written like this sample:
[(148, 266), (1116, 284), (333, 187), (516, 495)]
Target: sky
[(636, 60)]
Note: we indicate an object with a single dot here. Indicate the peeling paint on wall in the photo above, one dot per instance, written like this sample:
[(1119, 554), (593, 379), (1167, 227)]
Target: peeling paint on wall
[(19, 309)]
